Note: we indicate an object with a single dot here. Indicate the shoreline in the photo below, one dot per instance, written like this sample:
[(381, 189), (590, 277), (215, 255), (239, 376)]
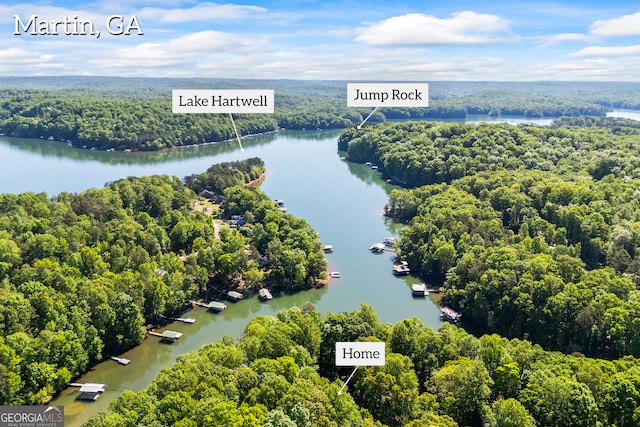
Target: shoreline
[(259, 180), (137, 150)]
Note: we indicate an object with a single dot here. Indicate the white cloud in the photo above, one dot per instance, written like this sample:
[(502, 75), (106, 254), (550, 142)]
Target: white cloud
[(627, 25), (563, 37), (465, 27), (607, 51), (187, 38), (16, 56), (203, 12), (623, 26), (188, 49), (597, 69), (13, 58)]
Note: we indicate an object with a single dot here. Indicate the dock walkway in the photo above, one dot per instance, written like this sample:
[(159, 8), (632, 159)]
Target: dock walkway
[(180, 319)]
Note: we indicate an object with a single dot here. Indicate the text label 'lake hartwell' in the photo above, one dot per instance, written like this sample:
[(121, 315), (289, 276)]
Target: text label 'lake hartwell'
[(223, 101)]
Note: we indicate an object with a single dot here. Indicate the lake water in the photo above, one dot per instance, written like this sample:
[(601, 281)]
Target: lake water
[(627, 114), (343, 202)]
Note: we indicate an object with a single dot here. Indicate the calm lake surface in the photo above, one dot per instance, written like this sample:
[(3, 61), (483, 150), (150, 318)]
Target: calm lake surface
[(343, 202)]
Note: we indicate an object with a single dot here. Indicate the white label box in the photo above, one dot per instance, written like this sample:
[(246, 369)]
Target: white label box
[(204, 101), (387, 95), (360, 353)]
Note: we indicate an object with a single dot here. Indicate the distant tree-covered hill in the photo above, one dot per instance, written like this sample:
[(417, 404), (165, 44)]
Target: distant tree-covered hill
[(122, 113)]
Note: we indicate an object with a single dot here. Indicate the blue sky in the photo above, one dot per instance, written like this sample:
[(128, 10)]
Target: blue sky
[(330, 40)]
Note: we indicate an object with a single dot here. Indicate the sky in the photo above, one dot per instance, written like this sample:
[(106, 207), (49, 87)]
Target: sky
[(324, 40)]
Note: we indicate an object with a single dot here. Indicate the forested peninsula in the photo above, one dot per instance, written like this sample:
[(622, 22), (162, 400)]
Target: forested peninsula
[(135, 114), (533, 232), (82, 274)]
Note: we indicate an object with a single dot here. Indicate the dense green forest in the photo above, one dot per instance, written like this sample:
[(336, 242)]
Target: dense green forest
[(112, 113), (282, 373), (82, 274), (532, 231)]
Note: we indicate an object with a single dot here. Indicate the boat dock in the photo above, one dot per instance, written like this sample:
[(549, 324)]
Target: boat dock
[(422, 287), (378, 248), (401, 269), (264, 294), (120, 360), (213, 305), (89, 391), (234, 296), (450, 315), (168, 336), (419, 290)]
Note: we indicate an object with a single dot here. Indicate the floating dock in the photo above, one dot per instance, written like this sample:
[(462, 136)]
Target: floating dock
[(120, 360)]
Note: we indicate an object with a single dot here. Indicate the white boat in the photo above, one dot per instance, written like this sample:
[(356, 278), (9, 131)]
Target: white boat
[(335, 274), (377, 248)]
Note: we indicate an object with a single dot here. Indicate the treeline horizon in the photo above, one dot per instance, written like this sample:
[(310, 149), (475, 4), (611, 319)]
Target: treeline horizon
[(133, 113)]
